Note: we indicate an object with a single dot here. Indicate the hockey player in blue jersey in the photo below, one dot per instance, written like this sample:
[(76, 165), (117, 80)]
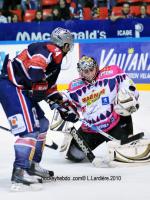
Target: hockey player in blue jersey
[(27, 79)]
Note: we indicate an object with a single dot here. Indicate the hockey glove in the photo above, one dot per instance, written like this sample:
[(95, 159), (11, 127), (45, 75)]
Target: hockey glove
[(38, 92), (67, 110), (71, 115), (126, 103), (55, 97)]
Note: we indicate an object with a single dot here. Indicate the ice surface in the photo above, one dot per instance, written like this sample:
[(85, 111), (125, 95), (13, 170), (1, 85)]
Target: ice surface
[(134, 183)]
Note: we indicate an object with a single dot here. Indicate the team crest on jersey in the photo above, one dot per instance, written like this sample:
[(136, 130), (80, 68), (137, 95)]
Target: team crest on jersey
[(93, 97), (105, 100)]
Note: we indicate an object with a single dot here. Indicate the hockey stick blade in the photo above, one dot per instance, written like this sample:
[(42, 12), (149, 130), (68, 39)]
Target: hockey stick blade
[(132, 138), (52, 146)]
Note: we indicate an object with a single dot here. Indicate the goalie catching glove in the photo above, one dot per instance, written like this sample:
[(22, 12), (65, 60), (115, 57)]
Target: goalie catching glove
[(67, 110), (126, 102)]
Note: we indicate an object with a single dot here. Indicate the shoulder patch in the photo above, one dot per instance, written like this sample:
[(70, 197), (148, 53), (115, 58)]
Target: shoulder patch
[(76, 84), (110, 71), (56, 53), (106, 71)]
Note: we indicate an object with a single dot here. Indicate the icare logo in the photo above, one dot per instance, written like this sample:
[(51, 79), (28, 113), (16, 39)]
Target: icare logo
[(138, 29)]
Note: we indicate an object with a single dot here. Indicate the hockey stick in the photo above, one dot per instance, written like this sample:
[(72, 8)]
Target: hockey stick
[(85, 148), (5, 129), (122, 142), (82, 144), (52, 146), (95, 128)]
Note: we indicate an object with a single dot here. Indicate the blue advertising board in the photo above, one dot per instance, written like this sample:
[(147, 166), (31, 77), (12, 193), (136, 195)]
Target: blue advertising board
[(95, 29), (132, 55)]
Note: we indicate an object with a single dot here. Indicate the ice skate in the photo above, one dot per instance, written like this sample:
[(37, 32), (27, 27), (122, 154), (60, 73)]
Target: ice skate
[(22, 181), (37, 170)]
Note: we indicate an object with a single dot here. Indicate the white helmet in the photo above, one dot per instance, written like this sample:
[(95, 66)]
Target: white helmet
[(61, 36)]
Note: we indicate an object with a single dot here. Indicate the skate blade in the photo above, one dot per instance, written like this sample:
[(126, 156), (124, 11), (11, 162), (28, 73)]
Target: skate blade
[(19, 187), (37, 179)]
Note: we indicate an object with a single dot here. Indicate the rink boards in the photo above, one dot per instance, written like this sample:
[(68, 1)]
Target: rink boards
[(131, 54)]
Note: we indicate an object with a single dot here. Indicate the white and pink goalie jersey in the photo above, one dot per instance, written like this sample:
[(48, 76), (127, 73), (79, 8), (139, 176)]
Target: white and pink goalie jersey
[(96, 100)]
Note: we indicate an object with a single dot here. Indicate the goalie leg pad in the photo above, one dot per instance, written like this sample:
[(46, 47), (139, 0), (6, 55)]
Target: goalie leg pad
[(70, 149), (136, 152), (75, 154), (56, 121), (66, 143)]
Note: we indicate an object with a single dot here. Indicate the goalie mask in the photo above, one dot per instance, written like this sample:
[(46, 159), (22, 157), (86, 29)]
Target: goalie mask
[(125, 103), (87, 68)]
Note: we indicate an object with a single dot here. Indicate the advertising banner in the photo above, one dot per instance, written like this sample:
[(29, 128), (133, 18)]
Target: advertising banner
[(95, 29), (132, 55)]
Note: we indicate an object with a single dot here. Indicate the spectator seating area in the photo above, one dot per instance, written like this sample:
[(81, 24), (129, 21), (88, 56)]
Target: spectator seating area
[(135, 10), (88, 13)]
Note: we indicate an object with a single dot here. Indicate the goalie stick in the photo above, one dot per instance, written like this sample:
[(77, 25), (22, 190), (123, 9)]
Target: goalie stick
[(84, 146), (52, 146), (122, 142)]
